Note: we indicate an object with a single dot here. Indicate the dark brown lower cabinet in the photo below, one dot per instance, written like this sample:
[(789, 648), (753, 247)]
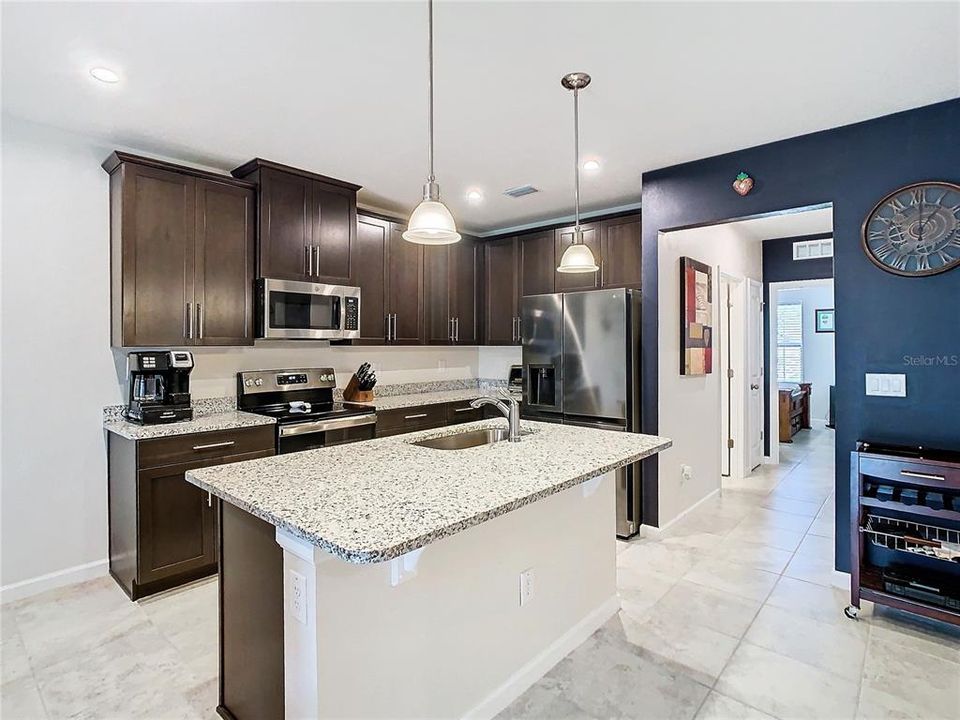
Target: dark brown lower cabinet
[(163, 529)]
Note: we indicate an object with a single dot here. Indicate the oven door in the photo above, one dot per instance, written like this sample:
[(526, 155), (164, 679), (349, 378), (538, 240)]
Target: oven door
[(325, 433), (307, 311)]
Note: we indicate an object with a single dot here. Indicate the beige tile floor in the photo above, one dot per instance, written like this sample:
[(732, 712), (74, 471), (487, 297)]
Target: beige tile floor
[(735, 613)]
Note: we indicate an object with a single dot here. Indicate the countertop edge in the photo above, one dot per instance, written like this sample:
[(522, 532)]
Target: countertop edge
[(369, 557), (133, 431)]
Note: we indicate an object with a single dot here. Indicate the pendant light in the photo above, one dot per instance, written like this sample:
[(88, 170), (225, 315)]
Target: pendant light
[(578, 258), (431, 222)]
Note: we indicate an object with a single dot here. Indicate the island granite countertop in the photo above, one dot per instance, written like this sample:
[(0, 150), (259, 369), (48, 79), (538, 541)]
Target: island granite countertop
[(371, 502)]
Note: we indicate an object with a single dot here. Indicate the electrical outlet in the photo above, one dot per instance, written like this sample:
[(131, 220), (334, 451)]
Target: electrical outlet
[(526, 586), (298, 596), (686, 472)]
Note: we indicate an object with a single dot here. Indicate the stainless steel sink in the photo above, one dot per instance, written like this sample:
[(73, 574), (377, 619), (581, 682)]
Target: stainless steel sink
[(472, 438)]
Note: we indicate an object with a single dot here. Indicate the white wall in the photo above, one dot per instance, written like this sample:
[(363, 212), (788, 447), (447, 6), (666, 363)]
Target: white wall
[(690, 405), (818, 350), (58, 370)]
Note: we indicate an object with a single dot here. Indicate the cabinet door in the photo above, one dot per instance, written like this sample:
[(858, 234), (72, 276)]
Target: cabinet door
[(370, 275), (620, 252), (224, 264), (566, 282), (286, 225), (334, 230), (405, 287), (176, 519), (537, 263), (436, 295), (155, 232), (500, 291), (464, 286)]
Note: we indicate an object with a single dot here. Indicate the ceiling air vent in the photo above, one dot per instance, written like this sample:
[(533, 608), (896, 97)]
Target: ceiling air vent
[(520, 191)]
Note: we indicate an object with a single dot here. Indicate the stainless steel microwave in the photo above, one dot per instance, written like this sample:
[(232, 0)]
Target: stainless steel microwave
[(292, 310)]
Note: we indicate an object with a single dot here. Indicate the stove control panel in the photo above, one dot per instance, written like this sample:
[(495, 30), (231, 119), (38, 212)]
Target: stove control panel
[(262, 381)]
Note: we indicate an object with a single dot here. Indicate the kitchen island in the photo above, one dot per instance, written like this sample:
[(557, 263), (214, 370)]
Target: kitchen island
[(388, 579)]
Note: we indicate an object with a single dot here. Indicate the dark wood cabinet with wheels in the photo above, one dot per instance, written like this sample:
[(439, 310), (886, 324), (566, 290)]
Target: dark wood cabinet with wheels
[(163, 528), (308, 223), (182, 244), (501, 291)]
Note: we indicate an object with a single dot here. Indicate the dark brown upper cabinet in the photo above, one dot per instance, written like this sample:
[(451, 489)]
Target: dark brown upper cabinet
[(501, 291), (620, 260), (450, 277), (182, 244), (308, 223), (568, 282), (404, 286), (537, 263), (370, 275)]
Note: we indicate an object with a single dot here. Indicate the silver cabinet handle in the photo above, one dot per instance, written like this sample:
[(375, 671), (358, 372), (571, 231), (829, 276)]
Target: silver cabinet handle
[(450, 329), (394, 327), (310, 260), (463, 409), (211, 446), (317, 263), (186, 321), (190, 315), (519, 329), (922, 476), (414, 417), (200, 321), (306, 260), (456, 329), (209, 500), (386, 333)]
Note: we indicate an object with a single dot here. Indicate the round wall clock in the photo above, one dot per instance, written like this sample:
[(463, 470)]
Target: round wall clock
[(915, 230)]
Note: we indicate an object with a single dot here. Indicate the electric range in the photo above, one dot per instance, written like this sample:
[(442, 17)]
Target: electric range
[(301, 400)]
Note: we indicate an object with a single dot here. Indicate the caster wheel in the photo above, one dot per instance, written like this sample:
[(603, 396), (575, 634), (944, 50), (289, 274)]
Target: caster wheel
[(851, 612)]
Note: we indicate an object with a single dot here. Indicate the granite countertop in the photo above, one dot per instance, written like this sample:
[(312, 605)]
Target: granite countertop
[(393, 402), (202, 422), (374, 501)]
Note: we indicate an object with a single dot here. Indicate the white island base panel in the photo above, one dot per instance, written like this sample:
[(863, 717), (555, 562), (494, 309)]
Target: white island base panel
[(440, 632)]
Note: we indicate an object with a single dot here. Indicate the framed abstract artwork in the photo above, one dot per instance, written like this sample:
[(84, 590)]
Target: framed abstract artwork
[(696, 317), (825, 321)]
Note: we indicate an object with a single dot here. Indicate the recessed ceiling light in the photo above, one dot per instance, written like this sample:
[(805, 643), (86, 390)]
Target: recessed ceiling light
[(591, 165), (104, 75), (474, 196)]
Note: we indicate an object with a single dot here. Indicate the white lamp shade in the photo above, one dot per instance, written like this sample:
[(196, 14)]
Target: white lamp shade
[(577, 259), (431, 224)]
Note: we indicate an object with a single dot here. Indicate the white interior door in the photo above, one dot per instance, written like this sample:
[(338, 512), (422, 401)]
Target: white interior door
[(755, 374)]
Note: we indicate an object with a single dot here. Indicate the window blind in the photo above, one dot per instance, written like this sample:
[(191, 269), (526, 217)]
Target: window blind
[(790, 342)]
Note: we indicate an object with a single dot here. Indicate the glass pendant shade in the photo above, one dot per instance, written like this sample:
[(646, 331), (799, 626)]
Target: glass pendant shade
[(577, 258), (431, 224)]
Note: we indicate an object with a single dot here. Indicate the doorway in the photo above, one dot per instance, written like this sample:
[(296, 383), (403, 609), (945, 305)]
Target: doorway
[(731, 325)]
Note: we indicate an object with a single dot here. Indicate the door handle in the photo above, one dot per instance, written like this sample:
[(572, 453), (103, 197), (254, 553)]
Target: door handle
[(450, 329), (200, 321), (456, 329), (386, 332), (754, 387), (310, 260), (922, 476), (317, 263)]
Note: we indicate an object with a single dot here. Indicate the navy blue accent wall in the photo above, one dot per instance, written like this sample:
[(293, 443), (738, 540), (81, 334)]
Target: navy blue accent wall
[(779, 266), (881, 318)]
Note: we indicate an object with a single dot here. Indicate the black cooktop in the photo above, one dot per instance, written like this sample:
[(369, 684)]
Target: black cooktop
[(318, 411)]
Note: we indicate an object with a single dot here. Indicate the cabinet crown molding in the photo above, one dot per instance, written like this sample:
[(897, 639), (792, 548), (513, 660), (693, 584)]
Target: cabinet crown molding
[(259, 163), (118, 157)]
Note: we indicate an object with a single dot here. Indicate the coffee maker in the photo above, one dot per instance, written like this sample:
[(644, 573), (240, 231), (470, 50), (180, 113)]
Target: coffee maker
[(159, 386)]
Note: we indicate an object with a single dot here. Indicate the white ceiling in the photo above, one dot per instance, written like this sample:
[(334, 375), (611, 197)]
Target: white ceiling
[(339, 88)]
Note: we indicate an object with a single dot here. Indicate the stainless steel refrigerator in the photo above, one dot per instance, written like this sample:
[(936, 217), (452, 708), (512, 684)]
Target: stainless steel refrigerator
[(581, 366)]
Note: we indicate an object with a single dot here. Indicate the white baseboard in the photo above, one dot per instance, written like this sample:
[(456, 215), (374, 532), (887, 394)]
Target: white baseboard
[(698, 503), (522, 679), (69, 576)]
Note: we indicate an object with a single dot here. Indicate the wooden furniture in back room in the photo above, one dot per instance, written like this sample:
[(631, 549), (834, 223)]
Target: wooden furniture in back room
[(905, 529), (794, 409)]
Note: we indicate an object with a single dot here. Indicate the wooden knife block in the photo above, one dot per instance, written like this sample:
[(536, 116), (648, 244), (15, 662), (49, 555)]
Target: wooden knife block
[(353, 393)]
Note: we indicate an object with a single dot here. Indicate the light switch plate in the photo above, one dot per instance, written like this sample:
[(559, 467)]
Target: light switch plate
[(886, 384)]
